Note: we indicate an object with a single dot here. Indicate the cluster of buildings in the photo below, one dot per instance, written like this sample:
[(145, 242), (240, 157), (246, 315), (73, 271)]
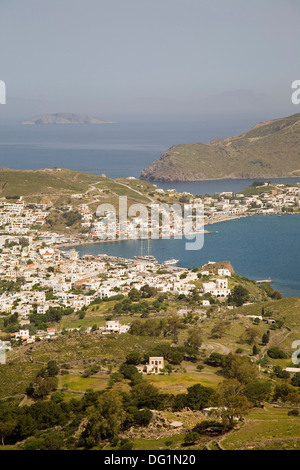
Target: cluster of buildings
[(18, 218), (75, 282), (277, 198), (37, 273), (273, 201), (25, 337), (37, 277)]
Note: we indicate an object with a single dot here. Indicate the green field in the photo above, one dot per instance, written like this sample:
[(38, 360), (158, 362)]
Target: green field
[(269, 428), (76, 352), (178, 382), (78, 383)]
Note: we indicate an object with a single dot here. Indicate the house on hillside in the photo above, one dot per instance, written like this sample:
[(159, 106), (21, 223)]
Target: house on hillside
[(112, 326), (224, 272), (217, 288), (155, 366)]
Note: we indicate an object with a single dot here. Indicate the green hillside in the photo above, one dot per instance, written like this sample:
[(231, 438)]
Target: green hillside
[(269, 149), (89, 366), (58, 185)]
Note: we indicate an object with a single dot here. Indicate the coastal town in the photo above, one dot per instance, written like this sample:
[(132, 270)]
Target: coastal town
[(75, 327), (21, 217), (40, 278), (39, 272)]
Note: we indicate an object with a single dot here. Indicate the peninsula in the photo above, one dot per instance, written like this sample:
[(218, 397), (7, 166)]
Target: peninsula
[(269, 150)]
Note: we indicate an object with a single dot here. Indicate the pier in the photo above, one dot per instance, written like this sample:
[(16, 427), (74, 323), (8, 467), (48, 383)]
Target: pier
[(264, 281)]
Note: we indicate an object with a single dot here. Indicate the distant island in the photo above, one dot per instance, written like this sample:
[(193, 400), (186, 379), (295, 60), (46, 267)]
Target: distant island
[(64, 118), (270, 149)]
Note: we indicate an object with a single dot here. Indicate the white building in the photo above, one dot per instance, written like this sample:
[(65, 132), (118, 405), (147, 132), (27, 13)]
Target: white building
[(224, 272), (113, 326), (217, 288), (156, 364)]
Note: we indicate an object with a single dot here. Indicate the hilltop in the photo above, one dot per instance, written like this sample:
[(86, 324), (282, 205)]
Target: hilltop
[(60, 184), (269, 149), (60, 188), (64, 118)]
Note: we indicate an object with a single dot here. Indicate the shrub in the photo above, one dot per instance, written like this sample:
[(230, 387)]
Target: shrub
[(296, 379), (276, 353), (191, 438), (134, 357), (210, 426)]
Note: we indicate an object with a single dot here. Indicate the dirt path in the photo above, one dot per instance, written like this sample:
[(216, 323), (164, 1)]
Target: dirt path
[(136, 191), (218, 347)]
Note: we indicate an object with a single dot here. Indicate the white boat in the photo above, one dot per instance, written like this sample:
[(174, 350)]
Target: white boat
[(171, 261), (146, 258)]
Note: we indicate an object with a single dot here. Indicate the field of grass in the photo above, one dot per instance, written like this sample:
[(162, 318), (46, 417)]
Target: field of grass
[(79, 383), (8, 447), (269, 428), (51, 181), (167, 442), (172, 442), (72, 321), (284, 309), (15, 377), (178, 382), (61, 182)]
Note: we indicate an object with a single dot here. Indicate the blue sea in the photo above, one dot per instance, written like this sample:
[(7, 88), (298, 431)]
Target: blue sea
[(116, 150), (259, 247)]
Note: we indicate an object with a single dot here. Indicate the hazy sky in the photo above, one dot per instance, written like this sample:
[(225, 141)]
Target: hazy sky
[(124, 58)]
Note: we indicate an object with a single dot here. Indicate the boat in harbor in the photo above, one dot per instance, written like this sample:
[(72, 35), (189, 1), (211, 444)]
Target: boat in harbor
[(146, 258), (171, 261)]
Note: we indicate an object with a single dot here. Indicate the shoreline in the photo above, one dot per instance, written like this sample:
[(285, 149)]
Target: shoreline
[(205, 232), (223, 178), (113, 240)]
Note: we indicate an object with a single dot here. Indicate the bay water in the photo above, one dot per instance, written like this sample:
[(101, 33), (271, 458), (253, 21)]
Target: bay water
[(259, 247)]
